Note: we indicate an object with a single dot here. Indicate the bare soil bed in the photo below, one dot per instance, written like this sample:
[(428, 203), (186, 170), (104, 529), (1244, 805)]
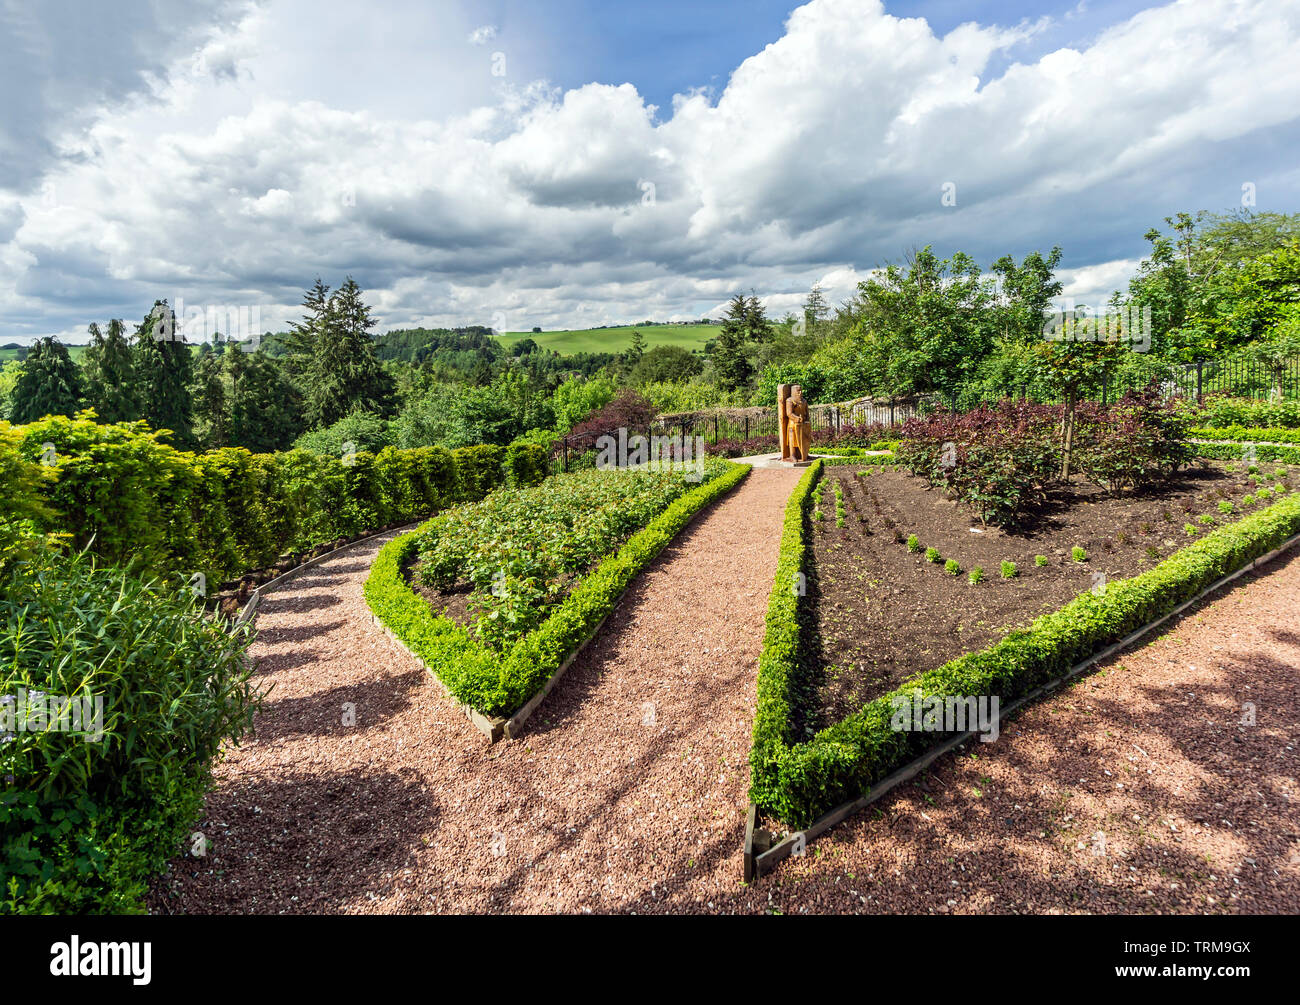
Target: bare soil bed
[(884, 613)]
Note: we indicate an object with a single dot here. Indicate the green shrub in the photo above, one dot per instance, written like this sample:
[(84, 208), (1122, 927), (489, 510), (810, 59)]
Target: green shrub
[(1078, 554), (1264, 494), (1009, 570), (932, 554), (1248, 500), (1040, 560), (1232, 451), (976, 575), (1205, 518), (913, 543), (89, 815), (1190, 529), (952, 567), (1225, 507), (526, 464)]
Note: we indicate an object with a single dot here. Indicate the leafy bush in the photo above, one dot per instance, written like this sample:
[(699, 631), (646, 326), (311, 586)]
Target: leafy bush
[(1137, 441), (976, 576), (1078, 554), (997, 459), (952, 567), (1040, 560), (356, 431), (1009, 570), (913, 543), (1224, 411), (88, 816), (1274, 434), (932, 554)]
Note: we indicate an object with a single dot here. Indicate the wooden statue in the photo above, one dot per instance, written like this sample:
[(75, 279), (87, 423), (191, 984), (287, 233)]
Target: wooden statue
[(798, 437)]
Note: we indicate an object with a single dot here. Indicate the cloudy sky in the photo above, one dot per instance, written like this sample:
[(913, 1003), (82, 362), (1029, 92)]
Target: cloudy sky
[(567, 163)]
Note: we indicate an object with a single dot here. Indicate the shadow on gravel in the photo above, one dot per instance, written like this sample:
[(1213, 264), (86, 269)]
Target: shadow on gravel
[(301, 842), (321, 713), (275, 636)]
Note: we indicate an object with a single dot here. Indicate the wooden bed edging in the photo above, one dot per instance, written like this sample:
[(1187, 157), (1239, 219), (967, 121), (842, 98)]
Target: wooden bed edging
[(762, 856)]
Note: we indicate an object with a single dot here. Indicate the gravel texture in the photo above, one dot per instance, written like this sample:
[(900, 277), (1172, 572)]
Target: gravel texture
[(1135, 790)]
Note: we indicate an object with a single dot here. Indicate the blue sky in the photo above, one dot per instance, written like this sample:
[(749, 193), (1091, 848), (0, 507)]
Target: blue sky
[(570, 163)]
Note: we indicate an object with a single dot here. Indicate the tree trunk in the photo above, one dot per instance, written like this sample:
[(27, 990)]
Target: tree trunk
[(1067, 440)]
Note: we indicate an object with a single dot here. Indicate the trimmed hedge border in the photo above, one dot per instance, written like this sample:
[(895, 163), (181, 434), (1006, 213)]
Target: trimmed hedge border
[(1233, 452), (797, 783), (858, 460), (494, 686), (778, 663)]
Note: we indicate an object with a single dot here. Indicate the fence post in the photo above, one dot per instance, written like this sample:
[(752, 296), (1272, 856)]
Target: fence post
[(746, 427), (1200, 369), (715, 428), (566, 454)]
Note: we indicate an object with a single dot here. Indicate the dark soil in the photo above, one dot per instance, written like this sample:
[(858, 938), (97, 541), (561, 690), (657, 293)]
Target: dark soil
[(884, 614)]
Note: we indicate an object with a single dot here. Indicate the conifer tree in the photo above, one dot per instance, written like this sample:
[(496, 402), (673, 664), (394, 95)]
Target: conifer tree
[(50, 383), (266, 408), (345, 374), (164, 372), (730, 362), (108, 375)]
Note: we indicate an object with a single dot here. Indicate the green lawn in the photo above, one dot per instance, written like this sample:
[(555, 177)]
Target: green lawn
[(74, 351), (617, 339)]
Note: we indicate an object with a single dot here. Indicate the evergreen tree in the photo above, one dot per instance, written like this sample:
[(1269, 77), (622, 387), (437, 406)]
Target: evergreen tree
[(165, 371), (815, 309), (50, 383), (211, 407), (730, 362), (757, 327), (300, 343), (266, 408), (345, 374), (108, 375), (636, 350)]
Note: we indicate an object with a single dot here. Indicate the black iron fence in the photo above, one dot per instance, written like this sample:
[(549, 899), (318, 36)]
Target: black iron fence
[(1239, 378)]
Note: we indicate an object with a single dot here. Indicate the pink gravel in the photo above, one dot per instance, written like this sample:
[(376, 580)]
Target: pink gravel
[(1137, 790)]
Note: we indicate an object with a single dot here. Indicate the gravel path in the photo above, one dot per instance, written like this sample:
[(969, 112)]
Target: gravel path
[(626, 792), (1137, 790)]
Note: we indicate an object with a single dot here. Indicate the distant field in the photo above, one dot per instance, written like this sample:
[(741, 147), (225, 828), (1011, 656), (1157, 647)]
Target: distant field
[(617, 339), (74, 351)]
